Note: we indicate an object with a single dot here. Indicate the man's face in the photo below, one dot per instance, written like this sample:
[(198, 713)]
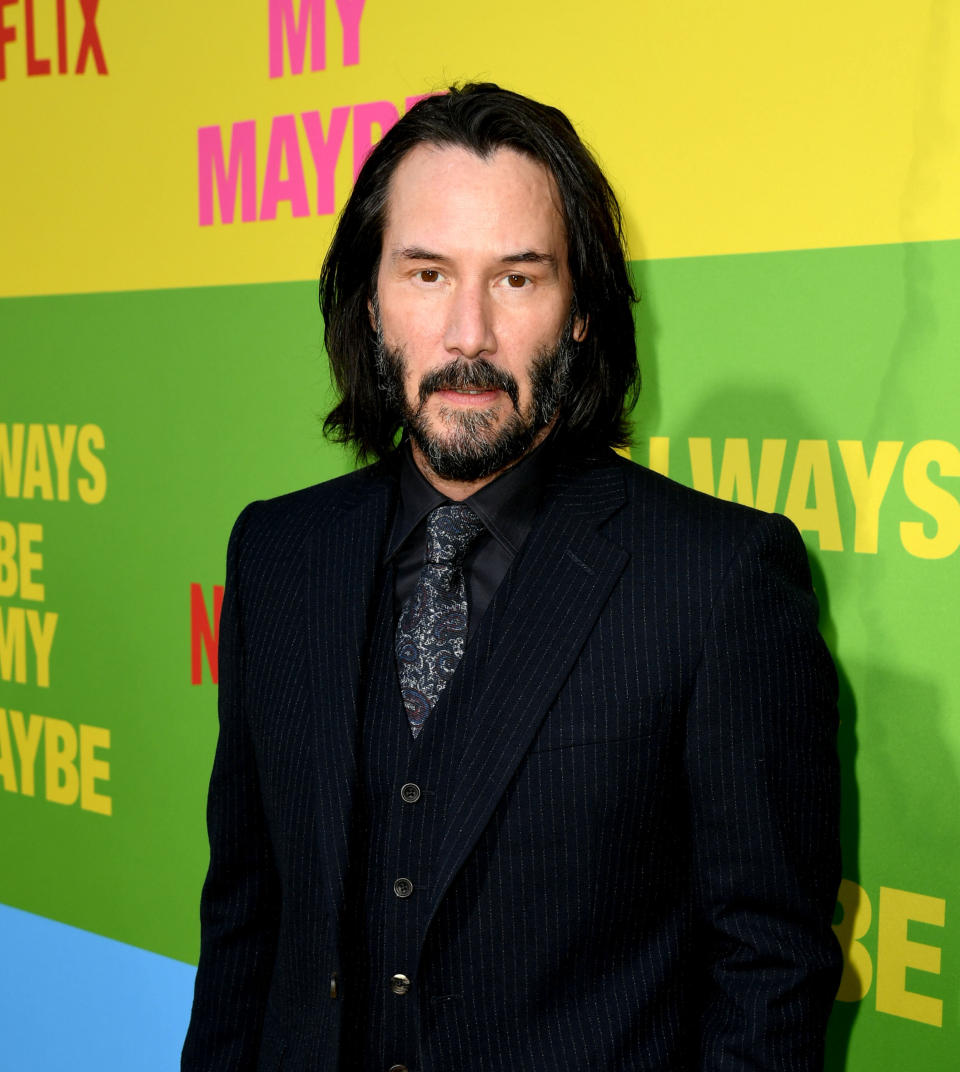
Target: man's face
[(473, 307)]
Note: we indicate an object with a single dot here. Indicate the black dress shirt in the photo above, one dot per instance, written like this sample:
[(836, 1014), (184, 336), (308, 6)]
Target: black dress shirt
[(507, 506)]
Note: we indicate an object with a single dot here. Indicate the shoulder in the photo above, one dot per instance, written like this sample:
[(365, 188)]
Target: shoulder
[(280, 526), (658, 500), (681, 528)]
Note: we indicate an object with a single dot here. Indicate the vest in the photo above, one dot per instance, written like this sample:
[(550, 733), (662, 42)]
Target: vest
[(404, 787)]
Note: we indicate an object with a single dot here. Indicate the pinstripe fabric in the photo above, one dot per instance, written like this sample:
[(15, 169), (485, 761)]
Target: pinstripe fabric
[(633, 866)]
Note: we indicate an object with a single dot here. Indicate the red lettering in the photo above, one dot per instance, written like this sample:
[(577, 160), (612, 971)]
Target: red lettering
[(62, 36), (7, 34), (34, 65), (90, 42), (204, 636)]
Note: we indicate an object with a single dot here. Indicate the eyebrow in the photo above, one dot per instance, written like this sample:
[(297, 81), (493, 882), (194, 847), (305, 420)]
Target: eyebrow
[(530, 256), (527, 256), (416, 253)]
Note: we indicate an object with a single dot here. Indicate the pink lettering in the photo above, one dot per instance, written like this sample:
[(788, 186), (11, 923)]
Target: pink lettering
[(284, 147), (365, 117), (350, 12), (242, 170), (288, 33), (325, 152)]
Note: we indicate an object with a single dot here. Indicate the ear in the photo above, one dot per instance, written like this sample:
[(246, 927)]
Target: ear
[(372, 314), (580, 326)]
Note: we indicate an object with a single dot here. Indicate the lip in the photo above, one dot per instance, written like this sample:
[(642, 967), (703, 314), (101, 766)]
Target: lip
[(462, 398)]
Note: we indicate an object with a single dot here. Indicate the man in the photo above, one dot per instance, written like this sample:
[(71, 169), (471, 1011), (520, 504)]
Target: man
[(526, 753)]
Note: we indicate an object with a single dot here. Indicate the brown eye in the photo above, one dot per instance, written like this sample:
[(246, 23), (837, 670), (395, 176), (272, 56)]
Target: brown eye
[(428, 275), (516, 280)]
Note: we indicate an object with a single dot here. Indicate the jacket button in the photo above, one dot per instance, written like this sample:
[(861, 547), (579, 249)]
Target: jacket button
[(410, 793), (397, 1068), (333, 985), (399, 984), (403, 887)]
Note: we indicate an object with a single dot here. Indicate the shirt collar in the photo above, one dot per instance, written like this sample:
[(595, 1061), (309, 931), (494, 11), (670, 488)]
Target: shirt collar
[(507, 505)]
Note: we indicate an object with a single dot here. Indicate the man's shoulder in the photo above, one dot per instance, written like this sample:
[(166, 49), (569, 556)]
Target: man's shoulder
[(682, 516), (288, 519), (648, 489)]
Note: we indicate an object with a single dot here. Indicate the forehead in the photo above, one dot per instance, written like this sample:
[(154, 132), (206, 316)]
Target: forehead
[(451, 197)]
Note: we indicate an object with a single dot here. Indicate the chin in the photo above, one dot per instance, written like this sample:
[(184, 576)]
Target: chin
[(471, 445)]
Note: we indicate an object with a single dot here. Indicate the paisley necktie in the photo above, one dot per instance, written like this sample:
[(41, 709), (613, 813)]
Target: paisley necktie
[(432, 630)]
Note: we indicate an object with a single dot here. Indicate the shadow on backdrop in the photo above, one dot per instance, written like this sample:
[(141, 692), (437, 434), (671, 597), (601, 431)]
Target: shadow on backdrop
[(743, 409)]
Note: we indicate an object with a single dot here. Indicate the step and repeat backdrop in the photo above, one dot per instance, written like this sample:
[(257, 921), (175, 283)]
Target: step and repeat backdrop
[(170, 178)]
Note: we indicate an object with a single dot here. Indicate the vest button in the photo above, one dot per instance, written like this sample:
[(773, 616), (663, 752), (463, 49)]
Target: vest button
[(410, 793), (397, 1068), (399, 983), (403, 887)]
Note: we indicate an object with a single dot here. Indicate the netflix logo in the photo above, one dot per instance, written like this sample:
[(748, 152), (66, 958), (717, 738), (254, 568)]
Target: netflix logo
[(50, 34)]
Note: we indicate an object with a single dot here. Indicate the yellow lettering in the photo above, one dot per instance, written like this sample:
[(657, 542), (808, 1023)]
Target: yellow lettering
[(36, 471), (896, 952), (736, 473), (90, 439), (60, 748), (11, 459), (41, 633), (932, 499), (868, 487), (660, 454), (93, 769), (768, 479), (30, 560), (62, 445), (9, 573), (812, 471), (857, 917), (28, 740), (701, 463), (13, 645), (736, 480), (7, 773)]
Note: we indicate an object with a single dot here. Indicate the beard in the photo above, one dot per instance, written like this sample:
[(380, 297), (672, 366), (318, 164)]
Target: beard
[(470, 445)]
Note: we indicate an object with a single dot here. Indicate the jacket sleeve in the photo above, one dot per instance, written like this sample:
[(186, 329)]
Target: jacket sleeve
[(763, 779), (239, 907)]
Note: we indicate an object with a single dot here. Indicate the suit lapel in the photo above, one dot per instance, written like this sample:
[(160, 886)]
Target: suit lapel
[(560, 583), (342, 568)]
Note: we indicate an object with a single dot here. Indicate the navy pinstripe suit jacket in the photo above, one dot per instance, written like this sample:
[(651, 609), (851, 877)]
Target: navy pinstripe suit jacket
[(639, 857)]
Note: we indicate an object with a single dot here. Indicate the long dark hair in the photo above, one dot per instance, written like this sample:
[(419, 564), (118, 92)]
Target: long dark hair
[(483, 118)]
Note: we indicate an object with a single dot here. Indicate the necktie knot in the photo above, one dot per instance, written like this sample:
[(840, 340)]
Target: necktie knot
[(451, 531)]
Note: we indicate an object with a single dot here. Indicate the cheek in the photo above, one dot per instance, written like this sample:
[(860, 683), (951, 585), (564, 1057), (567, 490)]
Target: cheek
[(412, 334)]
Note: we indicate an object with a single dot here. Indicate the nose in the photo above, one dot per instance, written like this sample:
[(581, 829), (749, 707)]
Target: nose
[(470, 328)]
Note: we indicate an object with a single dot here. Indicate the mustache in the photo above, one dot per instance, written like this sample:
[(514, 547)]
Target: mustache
[(475, 375)]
